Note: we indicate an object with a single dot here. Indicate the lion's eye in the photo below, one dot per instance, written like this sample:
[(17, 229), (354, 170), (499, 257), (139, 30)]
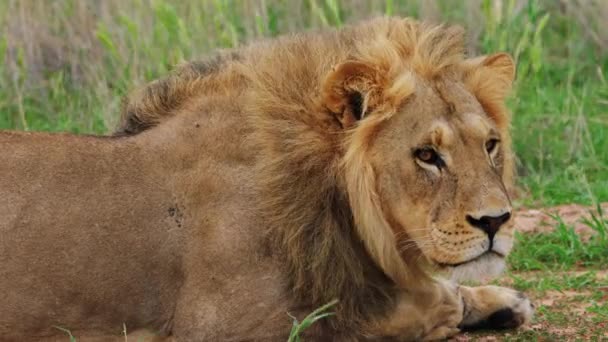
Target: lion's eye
[(491, 145), (429, 156)]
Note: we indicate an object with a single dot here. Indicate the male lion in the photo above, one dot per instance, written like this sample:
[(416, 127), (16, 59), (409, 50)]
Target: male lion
[(359, 164)]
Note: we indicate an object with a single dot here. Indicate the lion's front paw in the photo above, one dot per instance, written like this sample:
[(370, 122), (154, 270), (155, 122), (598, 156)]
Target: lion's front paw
[(448, 316), (494, 307), (441, 333)]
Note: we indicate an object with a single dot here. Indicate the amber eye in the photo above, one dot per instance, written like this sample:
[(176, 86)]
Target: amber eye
[(491, 145), (429, 156)]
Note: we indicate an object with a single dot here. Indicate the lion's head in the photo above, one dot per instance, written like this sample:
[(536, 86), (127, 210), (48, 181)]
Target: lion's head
[(419, 141), (428, 155)]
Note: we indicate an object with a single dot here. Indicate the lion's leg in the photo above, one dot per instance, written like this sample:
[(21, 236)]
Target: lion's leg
[(257, 313), (444, 309), (427, 314), (494, 307)]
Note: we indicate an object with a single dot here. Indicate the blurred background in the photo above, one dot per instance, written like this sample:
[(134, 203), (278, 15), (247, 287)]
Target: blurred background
[(66, 64)]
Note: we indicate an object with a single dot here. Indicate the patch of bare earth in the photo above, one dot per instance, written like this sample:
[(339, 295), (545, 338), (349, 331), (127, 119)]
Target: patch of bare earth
[(543, 220), (567, 314)]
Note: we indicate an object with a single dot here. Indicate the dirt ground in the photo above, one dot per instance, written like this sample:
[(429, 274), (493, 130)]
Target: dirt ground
[(541, 220)]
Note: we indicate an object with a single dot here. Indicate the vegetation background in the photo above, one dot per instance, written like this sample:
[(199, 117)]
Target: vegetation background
[(65, 65)]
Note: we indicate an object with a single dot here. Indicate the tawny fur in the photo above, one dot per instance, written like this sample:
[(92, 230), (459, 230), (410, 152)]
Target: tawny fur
[(268, 162)]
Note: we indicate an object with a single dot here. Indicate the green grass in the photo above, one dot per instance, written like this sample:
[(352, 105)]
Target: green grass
[(563, 248), (541, 282), (299, 327), (70, 337)]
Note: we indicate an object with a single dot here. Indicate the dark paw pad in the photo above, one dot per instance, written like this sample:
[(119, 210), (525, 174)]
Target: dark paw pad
[(501, 319)]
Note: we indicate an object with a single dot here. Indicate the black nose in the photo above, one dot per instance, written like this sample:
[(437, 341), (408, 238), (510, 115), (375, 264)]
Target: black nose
[(489, 224)]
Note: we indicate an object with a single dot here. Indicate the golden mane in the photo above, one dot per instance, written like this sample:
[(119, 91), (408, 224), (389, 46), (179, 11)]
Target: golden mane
[(317, 191), (335, 217)]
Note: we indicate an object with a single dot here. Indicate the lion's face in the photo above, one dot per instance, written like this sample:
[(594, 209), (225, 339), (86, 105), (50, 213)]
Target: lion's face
[(427, 158), (439, 164)]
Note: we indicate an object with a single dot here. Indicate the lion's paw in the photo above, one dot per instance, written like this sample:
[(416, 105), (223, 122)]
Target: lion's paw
[(494, 307), (449, 317), (441, 333)]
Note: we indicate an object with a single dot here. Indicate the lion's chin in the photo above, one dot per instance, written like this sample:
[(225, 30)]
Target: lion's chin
[(481, 269)]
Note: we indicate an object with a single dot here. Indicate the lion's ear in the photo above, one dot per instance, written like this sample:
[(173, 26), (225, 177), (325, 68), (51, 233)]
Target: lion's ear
[(496, 70), (348, 91), (490, 79)]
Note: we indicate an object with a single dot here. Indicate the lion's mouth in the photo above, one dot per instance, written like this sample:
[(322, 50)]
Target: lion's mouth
[(481, 268), (480, 256)]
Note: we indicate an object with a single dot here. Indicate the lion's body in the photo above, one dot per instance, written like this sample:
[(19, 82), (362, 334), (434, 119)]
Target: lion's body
[(222, 205), (98, 232), (88, 234)]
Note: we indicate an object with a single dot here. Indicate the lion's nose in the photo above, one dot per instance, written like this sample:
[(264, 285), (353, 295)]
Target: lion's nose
[(489, 224)]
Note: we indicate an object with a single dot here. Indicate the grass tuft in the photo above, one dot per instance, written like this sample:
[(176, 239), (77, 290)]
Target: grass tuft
[(299, 327), (68, 332)]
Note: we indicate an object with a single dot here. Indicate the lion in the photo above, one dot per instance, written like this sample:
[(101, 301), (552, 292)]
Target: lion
[(369, 164)]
